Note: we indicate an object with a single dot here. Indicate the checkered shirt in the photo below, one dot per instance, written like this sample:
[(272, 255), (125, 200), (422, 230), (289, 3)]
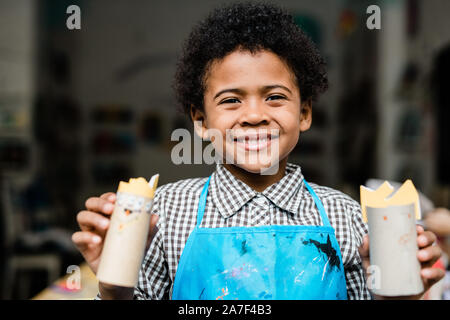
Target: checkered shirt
[(232, 203)]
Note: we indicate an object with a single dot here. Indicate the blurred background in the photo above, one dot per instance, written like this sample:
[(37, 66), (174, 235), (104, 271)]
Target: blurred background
[(81, 110)]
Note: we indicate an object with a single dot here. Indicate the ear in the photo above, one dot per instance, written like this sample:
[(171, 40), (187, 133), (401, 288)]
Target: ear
[(305, 115), (199, 120)]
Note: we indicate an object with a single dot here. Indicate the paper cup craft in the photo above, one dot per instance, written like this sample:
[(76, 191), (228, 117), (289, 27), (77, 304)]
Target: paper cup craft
[(126, 238), (395, 269)]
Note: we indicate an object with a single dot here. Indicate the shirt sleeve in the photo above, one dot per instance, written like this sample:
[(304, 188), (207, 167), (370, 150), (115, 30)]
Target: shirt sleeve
[(354, 272), (154, 282)]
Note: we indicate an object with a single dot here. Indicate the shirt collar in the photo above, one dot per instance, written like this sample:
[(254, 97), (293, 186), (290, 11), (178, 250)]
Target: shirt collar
[(231, 194), (284, 192), (228, 192)]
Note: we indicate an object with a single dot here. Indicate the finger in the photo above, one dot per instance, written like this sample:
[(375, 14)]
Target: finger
[(364, 252), (431, 276), (419, 229), (429, 255), (99, 205), (153, 229), (364, 248), (426, 238), (153, 220), (91, 221), (109, 196), (83, 239)]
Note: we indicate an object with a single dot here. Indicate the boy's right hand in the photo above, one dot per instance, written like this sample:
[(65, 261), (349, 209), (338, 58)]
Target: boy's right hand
[(94, 223)]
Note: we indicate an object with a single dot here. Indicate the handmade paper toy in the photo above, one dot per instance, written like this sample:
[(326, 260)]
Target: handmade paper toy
[(391, 216), (379, 198), (126, 238)]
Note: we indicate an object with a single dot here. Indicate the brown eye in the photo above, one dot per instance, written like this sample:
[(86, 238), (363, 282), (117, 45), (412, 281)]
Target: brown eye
[(275, 97), (231, 100)]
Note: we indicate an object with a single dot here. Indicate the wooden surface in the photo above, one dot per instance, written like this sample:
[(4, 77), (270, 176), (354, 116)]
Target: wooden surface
[(61, 289)]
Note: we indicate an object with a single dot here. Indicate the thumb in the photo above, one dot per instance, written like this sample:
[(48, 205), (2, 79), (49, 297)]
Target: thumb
[(364, 252), (153, 229)]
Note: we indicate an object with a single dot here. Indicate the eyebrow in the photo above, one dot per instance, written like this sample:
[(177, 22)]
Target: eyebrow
[(263, 89)]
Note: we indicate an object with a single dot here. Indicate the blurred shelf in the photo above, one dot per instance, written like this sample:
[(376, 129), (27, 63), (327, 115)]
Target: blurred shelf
[(14, 133)]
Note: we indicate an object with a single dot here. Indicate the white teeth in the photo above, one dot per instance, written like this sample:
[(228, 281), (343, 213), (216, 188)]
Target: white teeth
[(251, 140)]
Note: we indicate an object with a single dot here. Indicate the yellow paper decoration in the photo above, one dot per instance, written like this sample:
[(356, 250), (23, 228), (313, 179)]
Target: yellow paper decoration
[(140, 186), (380, 198)]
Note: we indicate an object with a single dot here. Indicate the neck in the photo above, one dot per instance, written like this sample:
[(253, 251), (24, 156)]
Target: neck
[(257, 181)]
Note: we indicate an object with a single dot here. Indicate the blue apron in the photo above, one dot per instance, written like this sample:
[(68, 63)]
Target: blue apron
[(267, 262)]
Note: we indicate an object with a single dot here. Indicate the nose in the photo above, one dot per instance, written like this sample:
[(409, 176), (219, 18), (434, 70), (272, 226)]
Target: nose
[(254, 114)]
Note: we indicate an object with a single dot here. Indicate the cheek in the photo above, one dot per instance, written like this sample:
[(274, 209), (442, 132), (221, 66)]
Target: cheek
[(288, 120), (217, 125), (221, 120), (289, 123)]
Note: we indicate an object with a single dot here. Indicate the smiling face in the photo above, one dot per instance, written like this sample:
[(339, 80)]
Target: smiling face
[(253, 102)]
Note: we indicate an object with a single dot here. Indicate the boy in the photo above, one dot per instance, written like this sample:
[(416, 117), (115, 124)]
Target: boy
[(239, 234)]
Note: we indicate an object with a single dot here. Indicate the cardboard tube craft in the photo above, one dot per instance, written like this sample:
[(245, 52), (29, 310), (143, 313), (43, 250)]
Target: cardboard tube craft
[(391, 216), (124, 247)]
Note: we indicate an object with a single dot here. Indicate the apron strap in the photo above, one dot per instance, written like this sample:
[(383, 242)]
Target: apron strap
[(319, 205), (202, 202)]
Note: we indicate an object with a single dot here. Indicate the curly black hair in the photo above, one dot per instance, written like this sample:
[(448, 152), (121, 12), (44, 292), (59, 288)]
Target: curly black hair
[(249, 26)]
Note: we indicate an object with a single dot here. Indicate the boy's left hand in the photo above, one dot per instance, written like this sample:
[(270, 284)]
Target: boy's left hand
[(428, 254)]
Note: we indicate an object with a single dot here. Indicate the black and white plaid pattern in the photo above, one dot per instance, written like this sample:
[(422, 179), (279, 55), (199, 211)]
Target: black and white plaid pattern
[(231, 203)]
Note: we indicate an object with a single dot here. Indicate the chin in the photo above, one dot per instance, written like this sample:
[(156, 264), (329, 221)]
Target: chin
[(259, 168)]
